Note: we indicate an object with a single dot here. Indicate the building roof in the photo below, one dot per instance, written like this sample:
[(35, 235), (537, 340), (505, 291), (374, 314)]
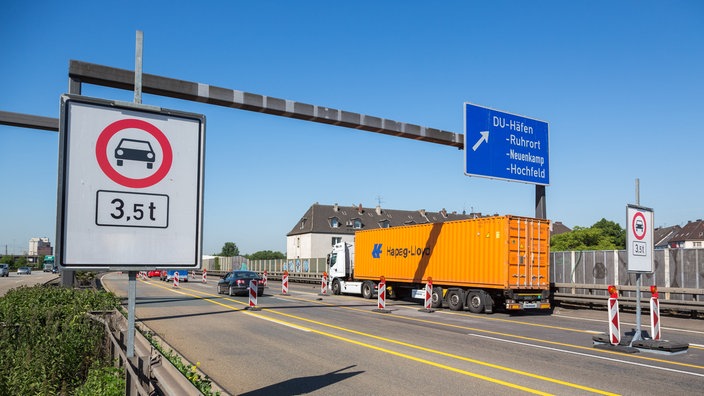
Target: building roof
[(663, 235), (337, 219), (559, 228), (692, 231)]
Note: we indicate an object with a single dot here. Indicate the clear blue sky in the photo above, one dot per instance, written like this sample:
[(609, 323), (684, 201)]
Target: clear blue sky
[(619, 82)]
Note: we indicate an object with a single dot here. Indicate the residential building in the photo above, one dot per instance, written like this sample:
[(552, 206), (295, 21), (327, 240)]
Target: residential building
[(663, 235), (690, 236), (322, 226)]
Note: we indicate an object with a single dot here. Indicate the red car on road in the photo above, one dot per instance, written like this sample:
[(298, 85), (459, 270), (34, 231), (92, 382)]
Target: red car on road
[(154, 273)]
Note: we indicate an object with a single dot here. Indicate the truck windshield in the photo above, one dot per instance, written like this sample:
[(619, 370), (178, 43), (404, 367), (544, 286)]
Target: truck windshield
[(333, 259)]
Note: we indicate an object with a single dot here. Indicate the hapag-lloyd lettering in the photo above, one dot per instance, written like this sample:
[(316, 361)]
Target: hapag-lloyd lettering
[(412, 251)]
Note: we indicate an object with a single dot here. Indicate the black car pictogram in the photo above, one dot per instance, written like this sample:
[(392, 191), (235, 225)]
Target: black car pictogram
[(639, 225), (135, 150)]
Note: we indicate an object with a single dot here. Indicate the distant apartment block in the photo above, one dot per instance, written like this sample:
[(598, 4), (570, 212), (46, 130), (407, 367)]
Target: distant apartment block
[(40, 247)]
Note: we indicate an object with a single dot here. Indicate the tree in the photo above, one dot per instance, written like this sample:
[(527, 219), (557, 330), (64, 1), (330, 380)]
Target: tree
[(266, 255), (229, 249), (613, 232), (603, 235)]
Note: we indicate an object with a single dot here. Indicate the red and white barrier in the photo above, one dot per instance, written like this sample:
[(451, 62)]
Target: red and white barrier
[(324, 284), (205, 280), (655, 313), (175, 279), (265, 278), (614, 322), (429, 294), (381, 293), (252, 293), (284, 283), (193, 274)]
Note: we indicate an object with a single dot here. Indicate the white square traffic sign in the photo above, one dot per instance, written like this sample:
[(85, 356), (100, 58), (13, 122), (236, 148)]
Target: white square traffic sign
[(639, 238), (130, 186)]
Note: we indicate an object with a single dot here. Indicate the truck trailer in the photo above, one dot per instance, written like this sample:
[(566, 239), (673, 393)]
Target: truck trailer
[(479, 264)]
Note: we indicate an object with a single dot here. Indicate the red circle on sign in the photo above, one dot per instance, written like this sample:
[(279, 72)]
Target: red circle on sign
[(635, 229), (101, 155)]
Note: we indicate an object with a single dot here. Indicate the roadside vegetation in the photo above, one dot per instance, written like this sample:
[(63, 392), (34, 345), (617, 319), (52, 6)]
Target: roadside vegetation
[(603, 235), (49, 346)]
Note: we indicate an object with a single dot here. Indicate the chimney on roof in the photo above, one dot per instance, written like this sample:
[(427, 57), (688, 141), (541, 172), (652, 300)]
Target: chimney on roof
[(443, 212), (378, 210), (359, 209), (335, 208)]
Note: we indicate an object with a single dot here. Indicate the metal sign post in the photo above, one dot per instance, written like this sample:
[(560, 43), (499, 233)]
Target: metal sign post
[(639, 245), (132, 275)]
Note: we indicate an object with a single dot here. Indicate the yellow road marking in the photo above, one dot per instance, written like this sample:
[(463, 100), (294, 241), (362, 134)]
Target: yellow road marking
[(514, 335), (399, 354)]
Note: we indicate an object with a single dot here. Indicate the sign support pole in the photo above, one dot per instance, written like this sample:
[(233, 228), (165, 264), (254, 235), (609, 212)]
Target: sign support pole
[(132, 275), (639, 281), (540, 204)]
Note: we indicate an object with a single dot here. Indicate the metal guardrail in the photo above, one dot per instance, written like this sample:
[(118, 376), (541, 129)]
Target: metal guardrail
[(591, 294), (149, 372)]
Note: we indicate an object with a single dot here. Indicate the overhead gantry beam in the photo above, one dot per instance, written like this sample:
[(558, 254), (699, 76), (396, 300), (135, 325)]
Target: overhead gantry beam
[(29, 121), (83, 72)]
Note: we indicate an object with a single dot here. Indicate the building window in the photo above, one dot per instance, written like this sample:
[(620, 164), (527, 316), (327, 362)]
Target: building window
[(697, 244), (384, 224), (303, 223), (336, 240), (334, 222), (357, 224)]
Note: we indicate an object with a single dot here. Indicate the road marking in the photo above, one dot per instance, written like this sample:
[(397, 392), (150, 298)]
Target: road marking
[(652, 359), (406, 356), (588, 355), (591, 349)]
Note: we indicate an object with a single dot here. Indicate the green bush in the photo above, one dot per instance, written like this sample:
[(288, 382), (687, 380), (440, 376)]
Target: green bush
[(103, 381), (47, 342)]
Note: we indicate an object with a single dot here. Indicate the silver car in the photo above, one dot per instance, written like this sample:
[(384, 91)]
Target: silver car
[(4, 270), (24, 271)]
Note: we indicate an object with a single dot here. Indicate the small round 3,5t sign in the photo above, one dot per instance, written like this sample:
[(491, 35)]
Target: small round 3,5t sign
[(131, 182), (639, 238)]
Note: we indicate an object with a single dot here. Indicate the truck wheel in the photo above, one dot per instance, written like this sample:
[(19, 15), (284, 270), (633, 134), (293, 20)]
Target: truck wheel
[(336, 287), (436, 298), (475, 301), (368, 289), (455, 300)]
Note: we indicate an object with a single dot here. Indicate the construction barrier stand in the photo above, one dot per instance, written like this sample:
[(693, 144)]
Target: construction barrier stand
[(655, 318), (252, 293), (614, 322), (284, 283), (324, 284), (381, 293), (429, 294)]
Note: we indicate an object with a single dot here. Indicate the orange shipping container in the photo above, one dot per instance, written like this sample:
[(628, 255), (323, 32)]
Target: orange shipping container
[(500, 252)]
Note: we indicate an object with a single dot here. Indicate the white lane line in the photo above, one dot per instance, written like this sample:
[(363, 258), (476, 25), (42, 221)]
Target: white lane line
[(588, 355)]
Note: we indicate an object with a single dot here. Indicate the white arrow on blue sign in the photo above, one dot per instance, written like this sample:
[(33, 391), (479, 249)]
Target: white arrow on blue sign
[(501, 145)]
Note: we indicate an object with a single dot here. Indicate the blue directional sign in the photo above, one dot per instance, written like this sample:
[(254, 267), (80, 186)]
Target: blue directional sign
[(506, 146)]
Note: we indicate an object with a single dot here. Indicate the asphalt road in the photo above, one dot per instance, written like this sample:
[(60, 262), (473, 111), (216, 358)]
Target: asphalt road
[(14, 280), (304, 343)]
